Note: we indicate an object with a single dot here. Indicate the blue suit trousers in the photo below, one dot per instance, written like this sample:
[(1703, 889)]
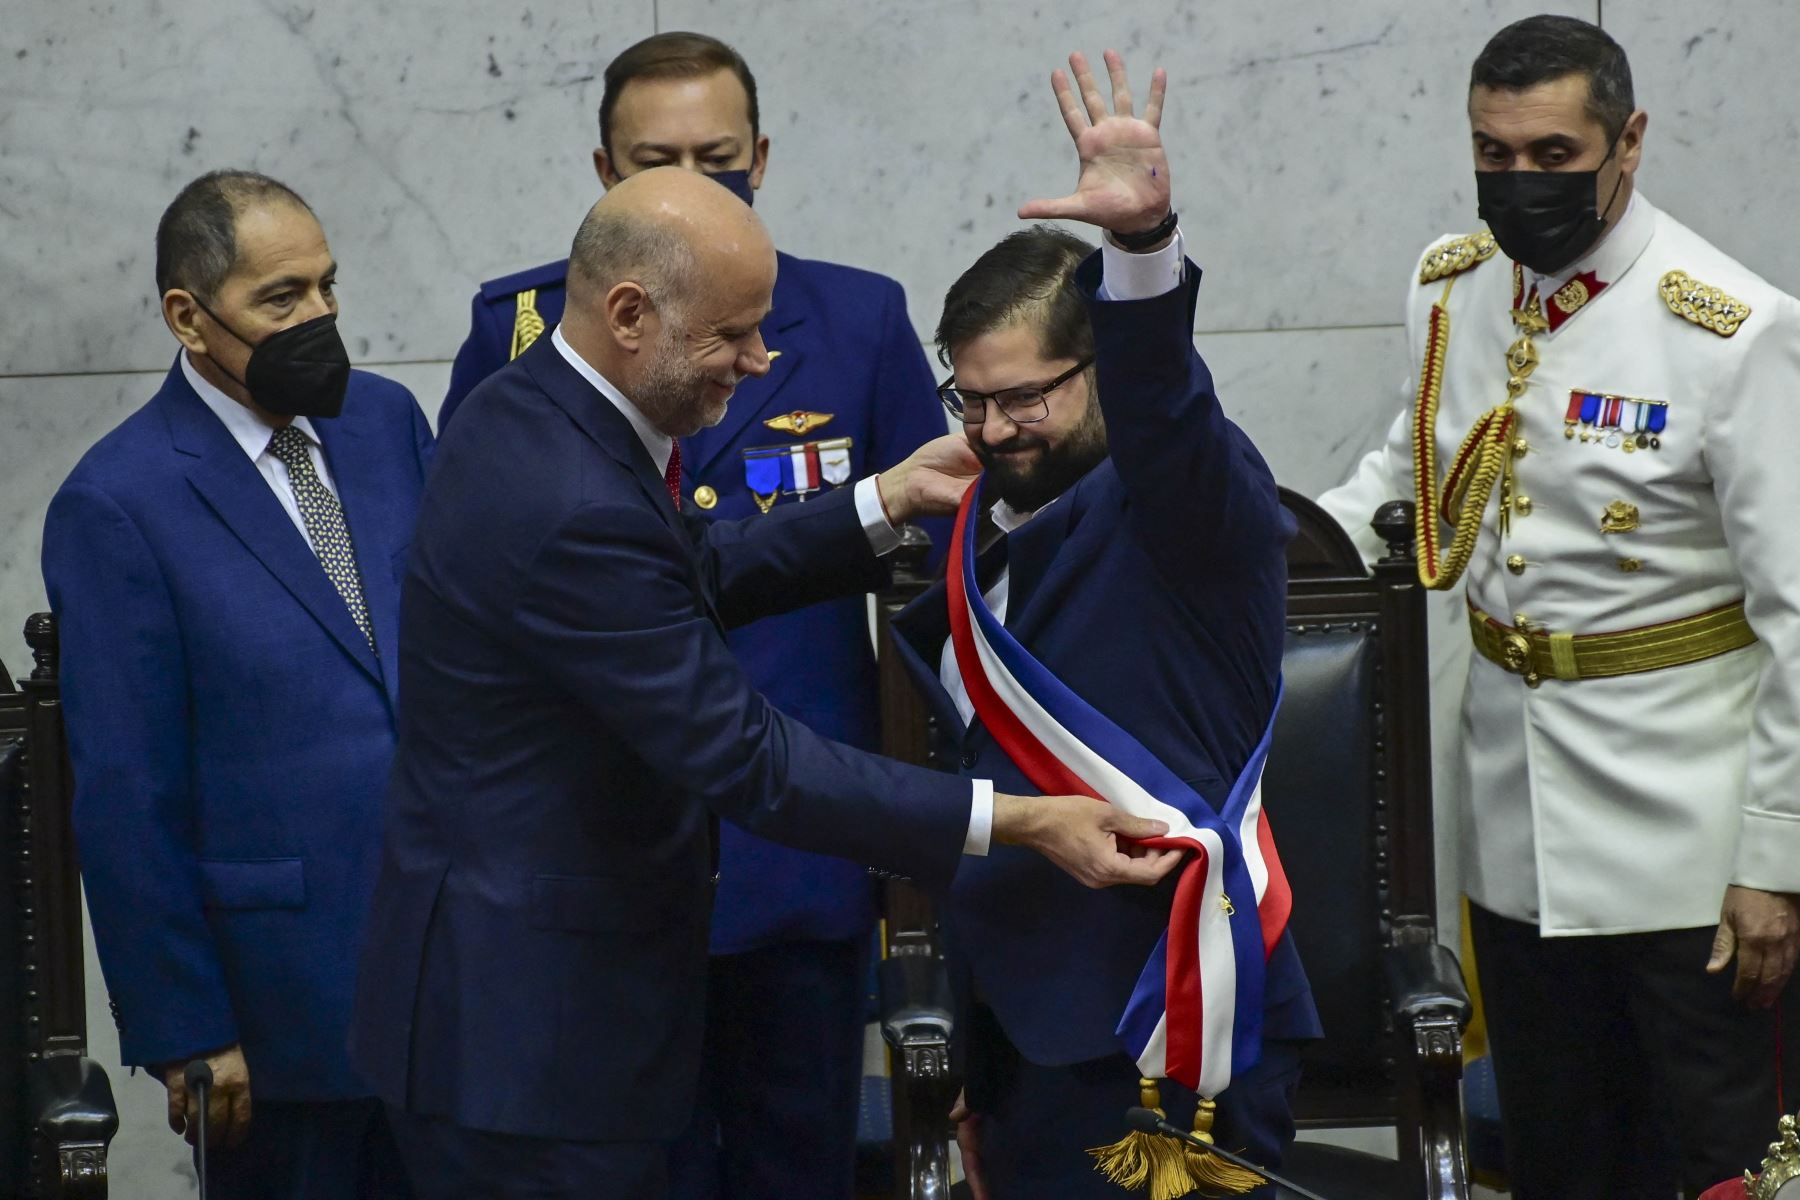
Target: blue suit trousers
[(450, 1162), (324, 1150)]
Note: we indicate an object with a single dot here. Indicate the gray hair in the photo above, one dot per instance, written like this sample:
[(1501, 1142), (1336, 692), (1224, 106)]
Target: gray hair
[(614, 247), (196, 240)]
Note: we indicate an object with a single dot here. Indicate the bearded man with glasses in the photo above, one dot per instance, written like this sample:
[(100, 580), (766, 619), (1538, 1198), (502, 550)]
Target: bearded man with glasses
[(1132, 552)]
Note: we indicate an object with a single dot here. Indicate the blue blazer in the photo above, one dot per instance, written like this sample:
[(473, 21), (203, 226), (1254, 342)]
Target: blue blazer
[(230, 729), (536, 961), (841, 344), (1155, 588)]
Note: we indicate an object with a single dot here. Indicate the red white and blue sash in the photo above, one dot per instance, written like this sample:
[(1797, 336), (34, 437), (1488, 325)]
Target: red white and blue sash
[(1195, 1015)]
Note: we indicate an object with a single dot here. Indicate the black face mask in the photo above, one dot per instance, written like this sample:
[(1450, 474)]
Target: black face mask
[(300, 371), (1543, 219), (737, 183)]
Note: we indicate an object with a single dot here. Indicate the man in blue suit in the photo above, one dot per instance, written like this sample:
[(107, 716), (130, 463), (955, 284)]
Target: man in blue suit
[(532, 986), (1133, 511), (848, 378), (223, 567)]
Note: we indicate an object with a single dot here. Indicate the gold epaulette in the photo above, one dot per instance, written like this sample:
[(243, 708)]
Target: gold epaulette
[(1704, 305), (1457, 255)]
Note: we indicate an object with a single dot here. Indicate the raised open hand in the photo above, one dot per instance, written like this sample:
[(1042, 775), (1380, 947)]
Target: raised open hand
[(1124, 183)]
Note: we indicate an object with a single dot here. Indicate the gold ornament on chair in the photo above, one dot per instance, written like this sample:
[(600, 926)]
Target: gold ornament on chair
[(1780, 1168)]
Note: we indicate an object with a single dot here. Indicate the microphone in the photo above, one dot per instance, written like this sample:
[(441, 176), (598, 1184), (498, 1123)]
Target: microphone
[(1145, 1120), (199, 1078)]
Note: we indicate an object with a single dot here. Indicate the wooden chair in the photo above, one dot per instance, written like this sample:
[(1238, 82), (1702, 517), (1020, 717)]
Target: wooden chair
[(57, 1114), (914, 988), (1348, 789)]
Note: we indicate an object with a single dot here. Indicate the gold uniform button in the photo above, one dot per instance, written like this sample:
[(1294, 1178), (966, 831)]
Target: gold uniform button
[(705, 497), (1523, 505), (1629, 565), (1520, 447), (1516, 564)]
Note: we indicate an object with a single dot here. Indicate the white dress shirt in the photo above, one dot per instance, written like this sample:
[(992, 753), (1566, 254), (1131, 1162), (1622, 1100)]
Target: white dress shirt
[(254, 434), (883, 538)]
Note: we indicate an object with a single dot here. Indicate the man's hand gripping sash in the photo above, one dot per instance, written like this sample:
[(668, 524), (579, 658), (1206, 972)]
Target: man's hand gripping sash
[(1196, 1013)]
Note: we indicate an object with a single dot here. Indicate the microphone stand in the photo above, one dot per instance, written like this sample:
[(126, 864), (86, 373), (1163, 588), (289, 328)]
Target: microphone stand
[(1145, 1120), (199, 1079)]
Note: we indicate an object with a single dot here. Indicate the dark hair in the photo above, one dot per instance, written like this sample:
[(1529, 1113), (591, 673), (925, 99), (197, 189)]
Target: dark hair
[(196, 240), (1030, 274), (1540, 49), (673, 56)]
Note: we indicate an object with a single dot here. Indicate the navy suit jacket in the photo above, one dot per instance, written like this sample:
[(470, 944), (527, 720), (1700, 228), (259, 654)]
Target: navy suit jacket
[(1155, 588), (230, 728), (537, 953), (840, 343)]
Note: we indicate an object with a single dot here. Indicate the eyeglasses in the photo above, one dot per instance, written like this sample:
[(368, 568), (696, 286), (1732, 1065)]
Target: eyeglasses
[(1022, 405)]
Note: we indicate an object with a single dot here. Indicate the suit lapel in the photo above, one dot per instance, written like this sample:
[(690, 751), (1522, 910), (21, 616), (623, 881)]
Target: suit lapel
[(354, 469), (1038, 563), (233, 488), (784, 333), (607, 428), (604, 425)]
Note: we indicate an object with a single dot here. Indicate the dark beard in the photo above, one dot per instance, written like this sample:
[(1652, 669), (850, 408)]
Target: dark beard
[(1028, 487)]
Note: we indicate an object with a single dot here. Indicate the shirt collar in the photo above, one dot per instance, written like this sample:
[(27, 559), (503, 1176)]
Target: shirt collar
[(247, 429), (1006, 518), (659, 444), (1610, 258)]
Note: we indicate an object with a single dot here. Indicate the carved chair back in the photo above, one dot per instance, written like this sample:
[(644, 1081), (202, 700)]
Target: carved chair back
[(58, 1115)]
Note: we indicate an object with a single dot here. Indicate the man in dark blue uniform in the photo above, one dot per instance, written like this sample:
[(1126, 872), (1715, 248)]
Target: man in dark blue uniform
[(848, 392)]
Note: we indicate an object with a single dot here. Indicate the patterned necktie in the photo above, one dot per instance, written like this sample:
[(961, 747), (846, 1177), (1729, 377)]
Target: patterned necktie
[(325, 525), (672, 476)]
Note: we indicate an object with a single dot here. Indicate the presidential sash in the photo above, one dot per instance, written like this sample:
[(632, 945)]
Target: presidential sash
[(1195, 1015)]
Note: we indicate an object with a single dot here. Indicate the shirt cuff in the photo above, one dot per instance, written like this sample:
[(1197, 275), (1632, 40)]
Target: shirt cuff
[(1128, 276), (883, 537), (981, 818)]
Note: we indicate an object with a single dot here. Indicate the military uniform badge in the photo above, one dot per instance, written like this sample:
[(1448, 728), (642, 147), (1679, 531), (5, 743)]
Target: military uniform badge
[(1616, 422), (799, 422), (796, 470)]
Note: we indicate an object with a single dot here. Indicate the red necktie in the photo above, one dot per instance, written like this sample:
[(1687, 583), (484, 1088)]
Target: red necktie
[(672, 476)]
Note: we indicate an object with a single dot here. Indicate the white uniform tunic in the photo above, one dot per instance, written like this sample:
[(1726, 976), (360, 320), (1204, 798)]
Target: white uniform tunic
[(1628, 803)]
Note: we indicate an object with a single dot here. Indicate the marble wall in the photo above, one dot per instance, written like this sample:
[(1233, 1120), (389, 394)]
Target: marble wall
[(1316, 147)]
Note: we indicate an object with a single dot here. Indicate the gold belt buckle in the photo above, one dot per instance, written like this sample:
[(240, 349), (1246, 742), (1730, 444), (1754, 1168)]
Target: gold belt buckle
[(1515, 655)]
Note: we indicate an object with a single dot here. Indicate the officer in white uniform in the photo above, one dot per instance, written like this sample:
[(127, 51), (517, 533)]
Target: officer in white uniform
[(1602, 445)]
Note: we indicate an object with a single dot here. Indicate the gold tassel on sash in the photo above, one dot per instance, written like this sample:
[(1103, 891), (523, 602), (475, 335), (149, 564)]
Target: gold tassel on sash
[(1213, 1175), (1165, 1166)]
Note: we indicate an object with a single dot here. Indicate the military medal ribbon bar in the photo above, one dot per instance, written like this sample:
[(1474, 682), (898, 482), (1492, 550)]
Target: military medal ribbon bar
[(798, 470), (1195, 1015), (1617, 422)]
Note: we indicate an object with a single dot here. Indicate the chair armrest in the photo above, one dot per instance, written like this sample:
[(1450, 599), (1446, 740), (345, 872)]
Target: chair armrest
[(1431, 1007), (1424, 977), (916, 1022), (73, 1119)]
